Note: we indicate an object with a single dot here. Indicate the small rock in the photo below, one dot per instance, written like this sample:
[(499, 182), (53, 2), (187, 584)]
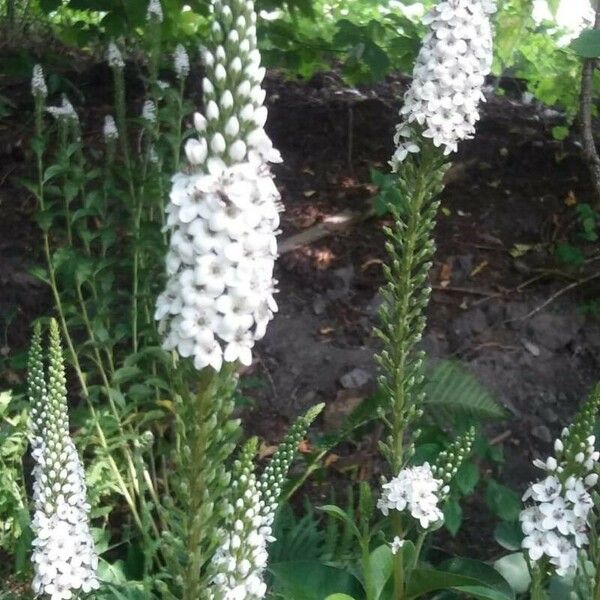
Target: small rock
[(541, 432), (531, 347), (554, 331), (319, 305), (337, 411), (548, 415), (356, 378)]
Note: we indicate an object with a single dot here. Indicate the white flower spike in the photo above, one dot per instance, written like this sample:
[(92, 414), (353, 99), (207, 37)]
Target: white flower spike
[(442, 103), (223, 213)]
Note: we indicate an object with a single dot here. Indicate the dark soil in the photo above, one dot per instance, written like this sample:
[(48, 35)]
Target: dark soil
[(512, 185)]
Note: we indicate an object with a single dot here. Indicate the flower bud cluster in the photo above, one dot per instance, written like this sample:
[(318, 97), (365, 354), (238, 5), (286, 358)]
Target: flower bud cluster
[(154, 11), (555, 523), (442, 102), (114, 56), (64, 112), (223, 215), (64, 558), (38, 83), (109, 130), (417, 491), (450, 460), (241, 558), (181, 62)]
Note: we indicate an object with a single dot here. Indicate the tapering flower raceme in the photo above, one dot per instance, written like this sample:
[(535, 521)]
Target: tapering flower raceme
[(181, 62), (149, 111), (240, 560), (555, 522), (114, 56), (64, 558), (417, 491), (154, 11), (274, 476), (223, 213), (442, 103), (110, 131), (38, 83), (450, 460)]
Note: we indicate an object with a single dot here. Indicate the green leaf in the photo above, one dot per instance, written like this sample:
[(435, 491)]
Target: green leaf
[(125, 374), (471, 577), (338, 513), (587, 45), (514, 569), (451, 391), (312, 580), (381, 564), (502, 501), (339, 597), (467, 478), (560, 132), (452, 516), (509, 535)]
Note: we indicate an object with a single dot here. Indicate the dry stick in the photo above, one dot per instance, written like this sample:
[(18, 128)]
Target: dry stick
[(590, 152), (556, 295)]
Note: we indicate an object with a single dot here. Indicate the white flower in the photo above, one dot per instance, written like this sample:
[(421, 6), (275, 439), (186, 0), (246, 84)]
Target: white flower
[(64, 112), (414, 489), (448, 76), (397, 545), (546, 490), (557, 524), (110, 130), (239, 561), (223, 214), (223, 226), (181, 62), (38, 83), (155, 11), (149, 111), (114, 56)]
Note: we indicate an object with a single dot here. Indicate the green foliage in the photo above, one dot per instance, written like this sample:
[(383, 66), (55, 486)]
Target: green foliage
[(587, 45), (14, 513), (452, 394)]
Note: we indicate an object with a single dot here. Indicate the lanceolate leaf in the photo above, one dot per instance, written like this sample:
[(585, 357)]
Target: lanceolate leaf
[(312, 580)]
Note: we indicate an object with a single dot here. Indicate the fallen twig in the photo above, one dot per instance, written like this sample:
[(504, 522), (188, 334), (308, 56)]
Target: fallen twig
[(556, 295)]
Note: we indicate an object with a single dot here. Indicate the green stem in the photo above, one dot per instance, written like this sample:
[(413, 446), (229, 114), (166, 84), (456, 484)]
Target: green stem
[(399, 580), (65, 330)]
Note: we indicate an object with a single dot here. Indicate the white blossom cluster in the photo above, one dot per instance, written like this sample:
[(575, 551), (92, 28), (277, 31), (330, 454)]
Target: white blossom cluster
[(456, 55), (155, 11), (114, 56), (181, 62), (417, 491), (38, 83), (64, 558), (109, 130), (64, 112), (240, 560), (149, 112), (223, 213), (556, 523)]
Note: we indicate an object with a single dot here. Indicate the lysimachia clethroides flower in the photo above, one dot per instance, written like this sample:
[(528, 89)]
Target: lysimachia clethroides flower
[(417, 491), (240, 560), (64, 558), (442, 103), (555, 522), (223, 213)]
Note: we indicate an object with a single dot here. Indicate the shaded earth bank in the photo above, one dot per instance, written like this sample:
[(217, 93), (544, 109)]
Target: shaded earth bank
[(510, 198)]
